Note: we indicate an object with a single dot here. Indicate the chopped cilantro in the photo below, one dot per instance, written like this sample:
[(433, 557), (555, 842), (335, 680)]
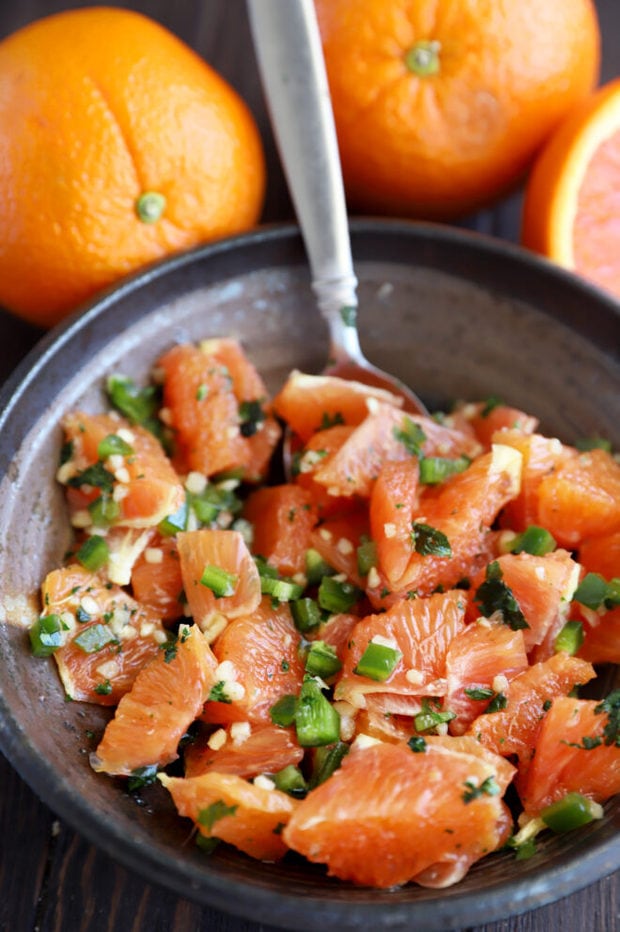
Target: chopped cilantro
[(429, 541), (488, 787), (410, 435), (218, 693), (213, 813), (96, 475), (493, 595), (611, 706)]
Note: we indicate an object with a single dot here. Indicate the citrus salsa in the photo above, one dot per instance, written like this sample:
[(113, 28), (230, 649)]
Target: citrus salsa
[(383, 662)]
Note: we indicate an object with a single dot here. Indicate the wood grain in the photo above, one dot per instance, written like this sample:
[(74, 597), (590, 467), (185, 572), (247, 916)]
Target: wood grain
[(51, 880)]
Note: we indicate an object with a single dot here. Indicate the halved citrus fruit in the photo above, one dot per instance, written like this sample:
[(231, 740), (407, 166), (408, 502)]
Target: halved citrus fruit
[(572, 204)]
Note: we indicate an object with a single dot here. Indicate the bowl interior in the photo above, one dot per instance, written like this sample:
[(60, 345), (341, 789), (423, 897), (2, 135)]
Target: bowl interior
[(452, 314)]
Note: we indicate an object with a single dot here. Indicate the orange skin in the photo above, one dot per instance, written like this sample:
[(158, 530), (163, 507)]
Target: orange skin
[(99, 106), (443, 144)]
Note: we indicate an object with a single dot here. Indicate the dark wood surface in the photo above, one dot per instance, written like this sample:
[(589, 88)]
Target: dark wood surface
[(51, 880)]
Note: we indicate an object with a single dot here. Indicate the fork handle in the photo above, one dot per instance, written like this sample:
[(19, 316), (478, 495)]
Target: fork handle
[(290, 59)]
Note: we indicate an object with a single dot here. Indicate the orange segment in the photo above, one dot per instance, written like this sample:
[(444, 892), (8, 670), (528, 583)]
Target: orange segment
[(421, 630), (282, 517), (152, 717), (514, 729), (581, 498), (462, 510), (475, 656), (559, 767), (228, 552), (378, 440), (393, 499), (374, 821), (203, 397), (486, 420), (572, 203), (132, 634), (246, 752), (259, 652), (317, 452), (156, 578), (143, 484), (309, 403), (601, 554), (541, 456), (225, 806), (543, 587)]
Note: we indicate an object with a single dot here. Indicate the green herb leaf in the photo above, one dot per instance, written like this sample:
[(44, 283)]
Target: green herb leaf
[(611, 707), (417, 744), (493, 595), (349, 315), (410, 435), (218, 693), (141, 777), (488, 787), (97, 476), (479, 692), (429, 541), (251, 416), (213, 813)]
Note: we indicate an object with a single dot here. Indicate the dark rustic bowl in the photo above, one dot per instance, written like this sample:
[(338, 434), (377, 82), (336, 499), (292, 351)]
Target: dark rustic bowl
[(455, 315)]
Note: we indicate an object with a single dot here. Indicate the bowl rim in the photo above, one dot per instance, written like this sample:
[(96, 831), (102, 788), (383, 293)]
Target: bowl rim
[(249, 900)]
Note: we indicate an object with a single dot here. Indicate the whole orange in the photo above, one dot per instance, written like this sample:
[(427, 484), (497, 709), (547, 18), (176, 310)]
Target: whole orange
[(118, 146), (440, 106)]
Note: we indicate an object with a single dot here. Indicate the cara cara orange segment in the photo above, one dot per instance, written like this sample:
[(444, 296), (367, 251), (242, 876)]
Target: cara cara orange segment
[(576, 751), (225, 554), (166, 697), (136, 486), (225, 806), (243, 749), (375, 823), (282, 518), (110, 636), (309, 403)]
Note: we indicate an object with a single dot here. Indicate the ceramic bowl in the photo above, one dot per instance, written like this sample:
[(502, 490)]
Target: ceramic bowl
[(455, 315)]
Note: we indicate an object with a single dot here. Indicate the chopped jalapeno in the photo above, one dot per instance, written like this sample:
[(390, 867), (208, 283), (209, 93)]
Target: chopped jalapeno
[(213, 813), (219, 581), (140, 405), (174, 523), (46, 635), (366, 557), (337, 597), (434, 469), (316, 720), (306, 614), (113, 445), (535, 540), (322, 660), (327, 760), (282, 713), (104, 510), (570, 812), (378, 662), (284, 590), (291, 780), (429, 718), (316, 567), (95, 638), (591, 591), (94, 553), (410, 435), (570, 638)]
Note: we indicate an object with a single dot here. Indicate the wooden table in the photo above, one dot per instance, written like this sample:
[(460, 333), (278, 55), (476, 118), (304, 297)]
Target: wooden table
[(51, 880)]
